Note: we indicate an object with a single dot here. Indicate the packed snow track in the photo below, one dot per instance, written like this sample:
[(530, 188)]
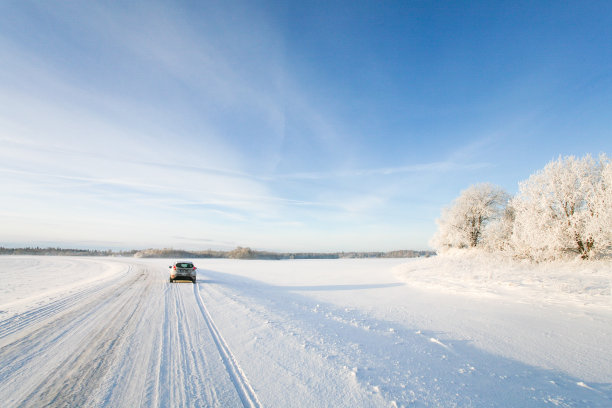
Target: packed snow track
[(113, 332), (133, 340)]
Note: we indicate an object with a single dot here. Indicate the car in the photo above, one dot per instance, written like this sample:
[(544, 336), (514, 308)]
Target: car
[(183, 270)]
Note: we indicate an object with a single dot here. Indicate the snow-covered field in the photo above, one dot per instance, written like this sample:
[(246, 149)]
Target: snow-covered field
[(437, 332)]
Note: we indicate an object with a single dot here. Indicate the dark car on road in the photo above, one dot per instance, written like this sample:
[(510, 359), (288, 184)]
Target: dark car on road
[(183, 271)]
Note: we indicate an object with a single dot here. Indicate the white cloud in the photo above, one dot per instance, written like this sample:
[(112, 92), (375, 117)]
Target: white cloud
[(434, 167)]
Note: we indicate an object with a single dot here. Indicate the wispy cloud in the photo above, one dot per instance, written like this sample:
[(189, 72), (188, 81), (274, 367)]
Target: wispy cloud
[(434, 167)]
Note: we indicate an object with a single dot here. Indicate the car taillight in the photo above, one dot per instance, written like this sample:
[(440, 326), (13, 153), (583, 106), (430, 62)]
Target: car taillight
[(174, 267), (194, 268)]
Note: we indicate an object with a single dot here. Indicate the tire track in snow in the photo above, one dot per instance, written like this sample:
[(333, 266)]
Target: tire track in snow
[(243, 387), (96, 357), (33, 316), (80, 372), (18, 349), (192, 370), (190, 366)]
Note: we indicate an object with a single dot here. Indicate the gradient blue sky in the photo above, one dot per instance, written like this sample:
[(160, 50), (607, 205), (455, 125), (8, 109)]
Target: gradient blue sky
[(301, 126)]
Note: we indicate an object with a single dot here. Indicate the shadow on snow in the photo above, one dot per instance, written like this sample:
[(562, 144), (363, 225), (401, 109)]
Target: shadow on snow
[(409, 366)]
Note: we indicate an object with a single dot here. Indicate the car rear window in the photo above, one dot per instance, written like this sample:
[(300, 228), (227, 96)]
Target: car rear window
[(184, 265)]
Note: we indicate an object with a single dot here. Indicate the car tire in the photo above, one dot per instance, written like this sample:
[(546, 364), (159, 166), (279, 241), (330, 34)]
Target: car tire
[(171, 280)]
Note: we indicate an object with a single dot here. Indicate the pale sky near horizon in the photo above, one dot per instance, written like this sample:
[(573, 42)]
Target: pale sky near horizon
[(291, 126)]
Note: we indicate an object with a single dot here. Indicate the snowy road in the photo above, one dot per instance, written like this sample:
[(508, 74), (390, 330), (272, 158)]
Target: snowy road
[(284, 334), (133, 341)]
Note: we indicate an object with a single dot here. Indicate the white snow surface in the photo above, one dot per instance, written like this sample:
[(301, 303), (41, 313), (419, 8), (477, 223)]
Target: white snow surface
[(479, 273), (451, 331)]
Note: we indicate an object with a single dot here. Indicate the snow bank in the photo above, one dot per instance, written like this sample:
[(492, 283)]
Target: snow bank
[(29, 281), (477, 273)]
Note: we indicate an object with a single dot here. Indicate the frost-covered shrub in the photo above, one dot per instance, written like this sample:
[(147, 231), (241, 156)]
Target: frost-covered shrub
[(465, 223), (564, 209)]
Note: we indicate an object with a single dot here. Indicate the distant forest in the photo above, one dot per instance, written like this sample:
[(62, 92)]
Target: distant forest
[(238, 253)]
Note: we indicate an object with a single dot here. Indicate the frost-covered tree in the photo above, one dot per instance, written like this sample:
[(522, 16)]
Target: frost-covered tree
[(601, 225), (497, 236), (464, 223), (564, 209)]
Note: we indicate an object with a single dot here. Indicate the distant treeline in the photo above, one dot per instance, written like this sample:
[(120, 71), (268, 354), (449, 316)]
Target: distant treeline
[(238, 253), (64, 252), (248, 253)]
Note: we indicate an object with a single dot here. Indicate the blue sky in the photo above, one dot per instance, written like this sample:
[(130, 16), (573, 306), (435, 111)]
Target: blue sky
[(300, 126)]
